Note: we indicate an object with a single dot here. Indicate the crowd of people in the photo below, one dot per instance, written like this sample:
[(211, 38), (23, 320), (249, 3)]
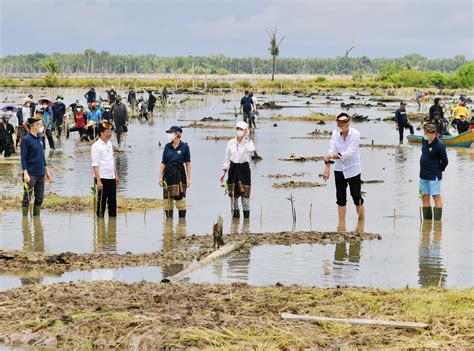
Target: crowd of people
[(29, 125)]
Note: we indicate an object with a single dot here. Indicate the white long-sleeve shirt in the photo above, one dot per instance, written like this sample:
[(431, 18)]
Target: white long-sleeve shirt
[(102, 155), (238, 152), (348, 150)]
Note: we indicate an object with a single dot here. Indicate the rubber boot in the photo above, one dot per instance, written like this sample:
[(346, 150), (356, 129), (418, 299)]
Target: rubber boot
[(235, 214), (25, 211), (169, 213), (438, 213), (36, 210), (246, 214), (182, 213), (427, 213)]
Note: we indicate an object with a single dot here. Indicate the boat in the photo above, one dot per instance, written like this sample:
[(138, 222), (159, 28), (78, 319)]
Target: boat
[(462, 140)]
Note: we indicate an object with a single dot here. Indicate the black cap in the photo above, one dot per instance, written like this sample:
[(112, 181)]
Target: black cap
[(403, 103), (174, 129)]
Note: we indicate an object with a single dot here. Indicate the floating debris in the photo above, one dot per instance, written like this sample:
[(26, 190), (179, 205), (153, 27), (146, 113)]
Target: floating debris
[(292, 184)]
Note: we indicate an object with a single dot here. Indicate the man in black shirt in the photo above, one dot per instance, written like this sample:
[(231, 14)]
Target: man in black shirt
[(461, 124), (59, 110), (151, 103), (436, 108), (90, 97), (401, 121), (132, 99), (6, 136), (246, 107)]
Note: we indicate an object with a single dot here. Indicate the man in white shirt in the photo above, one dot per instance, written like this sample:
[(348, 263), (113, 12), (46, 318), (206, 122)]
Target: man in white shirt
[(105, 174), (344, 149)]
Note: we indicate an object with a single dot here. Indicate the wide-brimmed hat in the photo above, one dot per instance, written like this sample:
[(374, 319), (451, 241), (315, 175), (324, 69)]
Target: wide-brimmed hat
[(9, 106), (241, 125), (44, 101)]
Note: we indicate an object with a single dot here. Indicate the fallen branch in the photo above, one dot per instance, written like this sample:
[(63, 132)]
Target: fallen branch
[(385, 323), (224, 250)]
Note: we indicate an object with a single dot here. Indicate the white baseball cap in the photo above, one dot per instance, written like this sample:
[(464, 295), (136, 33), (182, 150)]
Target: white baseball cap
[(241, 125)]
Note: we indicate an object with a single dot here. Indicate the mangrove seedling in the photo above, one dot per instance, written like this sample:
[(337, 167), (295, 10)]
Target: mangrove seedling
[(217, 231)]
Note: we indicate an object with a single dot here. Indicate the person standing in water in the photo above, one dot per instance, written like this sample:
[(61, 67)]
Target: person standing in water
[(119, 114), (237, 167), (174, 178), (48, 121), (34, 166), (344, 152), (105, 173), (433, 162), (151, 103), (402, 122), (59, 110)]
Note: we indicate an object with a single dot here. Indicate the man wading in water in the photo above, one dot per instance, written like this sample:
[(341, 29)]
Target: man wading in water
[(118, 111), (344, 149), (105, 173), (34, 167), (401, 121)]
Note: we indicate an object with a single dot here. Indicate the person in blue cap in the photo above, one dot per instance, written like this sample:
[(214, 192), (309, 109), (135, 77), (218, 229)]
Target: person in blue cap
[(175, 172)]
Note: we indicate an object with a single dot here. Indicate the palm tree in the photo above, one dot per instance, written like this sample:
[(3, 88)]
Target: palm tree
[(274, 47)]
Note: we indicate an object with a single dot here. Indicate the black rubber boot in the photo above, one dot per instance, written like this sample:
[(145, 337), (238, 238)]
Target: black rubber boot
[(36, 210), (25, 211), (246, 214), (438, 213), (235, 214), (169, 213), (427, 213), (182, 213)]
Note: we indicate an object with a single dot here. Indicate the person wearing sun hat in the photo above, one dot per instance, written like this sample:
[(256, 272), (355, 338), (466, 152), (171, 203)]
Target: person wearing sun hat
[(344, 152), (175, 172), (105, 172), (34, 165), (433, 162), (237, 167)]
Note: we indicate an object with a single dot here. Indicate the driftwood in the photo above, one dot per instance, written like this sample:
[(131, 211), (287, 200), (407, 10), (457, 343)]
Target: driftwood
[(384, 323), (224, 250)]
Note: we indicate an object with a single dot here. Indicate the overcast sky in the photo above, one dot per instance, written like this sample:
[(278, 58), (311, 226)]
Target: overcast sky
[(377, 28)]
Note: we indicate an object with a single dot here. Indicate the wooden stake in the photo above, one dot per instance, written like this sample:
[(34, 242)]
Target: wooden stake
[(385, 323), (224, 250)]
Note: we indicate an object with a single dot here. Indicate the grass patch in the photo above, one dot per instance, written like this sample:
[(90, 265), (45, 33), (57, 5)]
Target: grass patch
[(150, 315)]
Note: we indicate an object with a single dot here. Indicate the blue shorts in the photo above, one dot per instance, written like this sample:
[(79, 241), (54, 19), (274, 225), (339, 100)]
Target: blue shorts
[(430, 187)]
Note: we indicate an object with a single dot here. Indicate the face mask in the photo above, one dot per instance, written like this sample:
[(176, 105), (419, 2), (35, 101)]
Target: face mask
[(171, 136), (45, 107), (41, 130), (10, 113), (79, 109), (59, 100), (240, 133), (425, 137)]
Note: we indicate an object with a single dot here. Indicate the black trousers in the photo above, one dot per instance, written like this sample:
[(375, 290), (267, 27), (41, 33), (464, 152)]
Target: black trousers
[(402, 126), (107, 197), (341, 189), (49, 135), (37, 185), (7, 149)]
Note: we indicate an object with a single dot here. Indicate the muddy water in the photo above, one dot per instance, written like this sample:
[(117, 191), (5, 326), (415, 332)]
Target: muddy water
[(409, 254)]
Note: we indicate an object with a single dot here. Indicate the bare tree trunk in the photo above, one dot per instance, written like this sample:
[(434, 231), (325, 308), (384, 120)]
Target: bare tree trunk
[(273, 68)]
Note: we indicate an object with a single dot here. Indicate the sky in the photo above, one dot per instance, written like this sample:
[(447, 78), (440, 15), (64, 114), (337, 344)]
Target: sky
[(316, 28)]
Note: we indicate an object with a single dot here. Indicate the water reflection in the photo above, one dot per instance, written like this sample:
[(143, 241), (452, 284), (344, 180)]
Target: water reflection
[(431, 270), (33, 241), (105, 235), (170, 233), (121, 163)]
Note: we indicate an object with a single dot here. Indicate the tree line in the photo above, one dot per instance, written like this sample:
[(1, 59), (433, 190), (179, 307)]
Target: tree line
[(93, 62)]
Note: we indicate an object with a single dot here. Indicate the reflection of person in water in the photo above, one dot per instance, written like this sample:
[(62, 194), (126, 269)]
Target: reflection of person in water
[(347, 254), (35, 242), (170, 233), (431, 270), (106, 236)]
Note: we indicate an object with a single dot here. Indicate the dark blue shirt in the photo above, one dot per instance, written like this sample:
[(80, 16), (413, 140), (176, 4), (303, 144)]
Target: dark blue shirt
[(401, 116), (180, 155), (32, 155), (90, 96), (433, 160), (59, 109), (246, 103)]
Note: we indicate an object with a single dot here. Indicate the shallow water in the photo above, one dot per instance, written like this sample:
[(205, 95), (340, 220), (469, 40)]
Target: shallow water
[(407, 255)]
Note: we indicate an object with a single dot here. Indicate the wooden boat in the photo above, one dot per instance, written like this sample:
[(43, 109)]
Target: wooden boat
[(462, 140)]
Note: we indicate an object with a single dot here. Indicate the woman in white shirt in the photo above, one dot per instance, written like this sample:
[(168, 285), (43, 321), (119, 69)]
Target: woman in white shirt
[(236, 166), (344, 149)]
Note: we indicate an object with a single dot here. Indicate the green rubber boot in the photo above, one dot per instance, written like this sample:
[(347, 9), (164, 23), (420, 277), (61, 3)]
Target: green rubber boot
[(25, 211), (438, 213), (427, 213), (36, 210)]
